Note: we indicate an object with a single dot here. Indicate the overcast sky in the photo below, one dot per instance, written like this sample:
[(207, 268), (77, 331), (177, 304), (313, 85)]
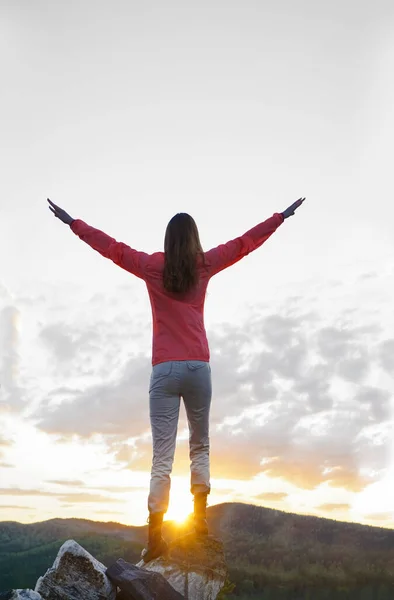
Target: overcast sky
[(125, 113)]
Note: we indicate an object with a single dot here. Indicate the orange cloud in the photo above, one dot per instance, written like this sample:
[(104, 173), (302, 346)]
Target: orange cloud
[(234, 463), (386, 516), (347, 478), (12, 506), (73, 497), (272, 496), (333, 507), (303, 475)]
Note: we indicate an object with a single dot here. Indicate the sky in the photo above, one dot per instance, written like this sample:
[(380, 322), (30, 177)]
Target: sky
[(125, 113)]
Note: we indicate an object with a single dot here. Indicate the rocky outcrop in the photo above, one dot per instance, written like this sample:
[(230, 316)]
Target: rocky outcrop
[(195, 567), (75, 574), (193, 570)]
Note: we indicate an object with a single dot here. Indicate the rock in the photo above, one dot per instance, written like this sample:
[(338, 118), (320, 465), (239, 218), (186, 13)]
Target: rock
[(121, 595), (75, 574), (20, 595), (195, 567), (138, 584)]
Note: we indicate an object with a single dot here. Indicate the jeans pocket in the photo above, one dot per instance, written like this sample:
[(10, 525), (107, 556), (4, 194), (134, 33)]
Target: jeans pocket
[(162, 369), (195, 365)]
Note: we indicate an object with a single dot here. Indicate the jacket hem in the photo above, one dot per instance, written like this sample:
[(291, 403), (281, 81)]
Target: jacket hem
[(157, 361)]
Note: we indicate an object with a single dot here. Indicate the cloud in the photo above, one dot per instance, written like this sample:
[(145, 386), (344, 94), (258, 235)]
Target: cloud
[(355, 368), (89, 342), (24, 492), (386, 356), (384, 516), (333, 507), (334, 342), (303, 474), (74, 497), (240, 466), (314, 388), (108, 512), (59, 341), (5, 442), (87, 498), (12, 506), (377, 400), (112, 408), (67, 343), (67, 482), (295, 396), (241, 456), (11, 396), (118, 489), (308, 435), (272, 496)]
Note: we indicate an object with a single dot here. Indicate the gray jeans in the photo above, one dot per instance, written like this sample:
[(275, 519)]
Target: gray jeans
[(170, 380)]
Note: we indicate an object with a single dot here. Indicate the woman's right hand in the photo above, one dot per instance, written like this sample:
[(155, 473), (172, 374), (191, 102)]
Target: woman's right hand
[(289, 212)]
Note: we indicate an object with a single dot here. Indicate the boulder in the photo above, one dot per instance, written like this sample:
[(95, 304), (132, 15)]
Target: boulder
[(138, 584), (75, 574), (20, 595), (195, 567)]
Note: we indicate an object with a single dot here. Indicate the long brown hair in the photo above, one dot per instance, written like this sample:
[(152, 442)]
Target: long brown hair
[(181, 247)]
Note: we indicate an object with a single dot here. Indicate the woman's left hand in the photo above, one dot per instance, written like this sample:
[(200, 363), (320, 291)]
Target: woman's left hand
[(60, 213), (289, 212)]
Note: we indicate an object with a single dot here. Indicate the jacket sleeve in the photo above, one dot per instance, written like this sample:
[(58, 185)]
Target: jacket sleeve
[(122, 255), (225, 255)]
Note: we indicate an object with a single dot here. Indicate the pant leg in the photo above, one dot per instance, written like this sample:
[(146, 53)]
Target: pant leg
[(196, 391), (164, 403)]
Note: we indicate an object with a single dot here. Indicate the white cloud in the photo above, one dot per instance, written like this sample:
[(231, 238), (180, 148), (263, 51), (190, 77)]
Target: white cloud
[(296, 388), (10, 392)]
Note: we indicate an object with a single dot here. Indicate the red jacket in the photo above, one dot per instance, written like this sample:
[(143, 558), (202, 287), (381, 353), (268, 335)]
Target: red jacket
[(178, 321)]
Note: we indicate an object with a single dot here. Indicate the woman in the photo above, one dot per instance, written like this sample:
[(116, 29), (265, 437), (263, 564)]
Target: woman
[(177, 280)]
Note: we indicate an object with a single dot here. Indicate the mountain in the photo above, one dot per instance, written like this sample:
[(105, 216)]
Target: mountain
[(265, 549)]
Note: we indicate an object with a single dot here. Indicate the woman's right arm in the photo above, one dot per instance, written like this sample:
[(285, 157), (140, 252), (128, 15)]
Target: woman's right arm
[(122, 255)]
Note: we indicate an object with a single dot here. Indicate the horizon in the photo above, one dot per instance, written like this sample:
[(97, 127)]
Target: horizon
[(125, 115), (183, 522)]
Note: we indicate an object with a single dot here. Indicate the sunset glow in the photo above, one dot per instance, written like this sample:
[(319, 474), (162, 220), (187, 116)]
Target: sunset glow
[(229, 113)]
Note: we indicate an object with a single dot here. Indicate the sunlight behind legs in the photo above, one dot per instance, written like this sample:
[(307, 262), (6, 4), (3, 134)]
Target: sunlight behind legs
[(181, 501)]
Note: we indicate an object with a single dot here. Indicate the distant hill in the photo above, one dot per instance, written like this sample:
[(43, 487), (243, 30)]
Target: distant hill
[(265, 549)]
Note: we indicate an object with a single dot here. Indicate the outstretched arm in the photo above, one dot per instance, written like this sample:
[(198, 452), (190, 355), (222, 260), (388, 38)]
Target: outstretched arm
[(225, 255), (122, 255)]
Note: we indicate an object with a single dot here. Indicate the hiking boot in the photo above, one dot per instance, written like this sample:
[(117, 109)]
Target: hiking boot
[(200, 513), (156, 545)]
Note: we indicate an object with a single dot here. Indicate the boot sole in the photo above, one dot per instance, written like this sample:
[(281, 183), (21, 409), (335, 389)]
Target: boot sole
[(153, 553)]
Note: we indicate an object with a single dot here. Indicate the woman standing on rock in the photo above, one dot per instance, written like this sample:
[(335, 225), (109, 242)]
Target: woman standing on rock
[(177, 281)]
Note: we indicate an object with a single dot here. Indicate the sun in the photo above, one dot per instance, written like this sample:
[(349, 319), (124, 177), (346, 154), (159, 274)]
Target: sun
[(180, 507)]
